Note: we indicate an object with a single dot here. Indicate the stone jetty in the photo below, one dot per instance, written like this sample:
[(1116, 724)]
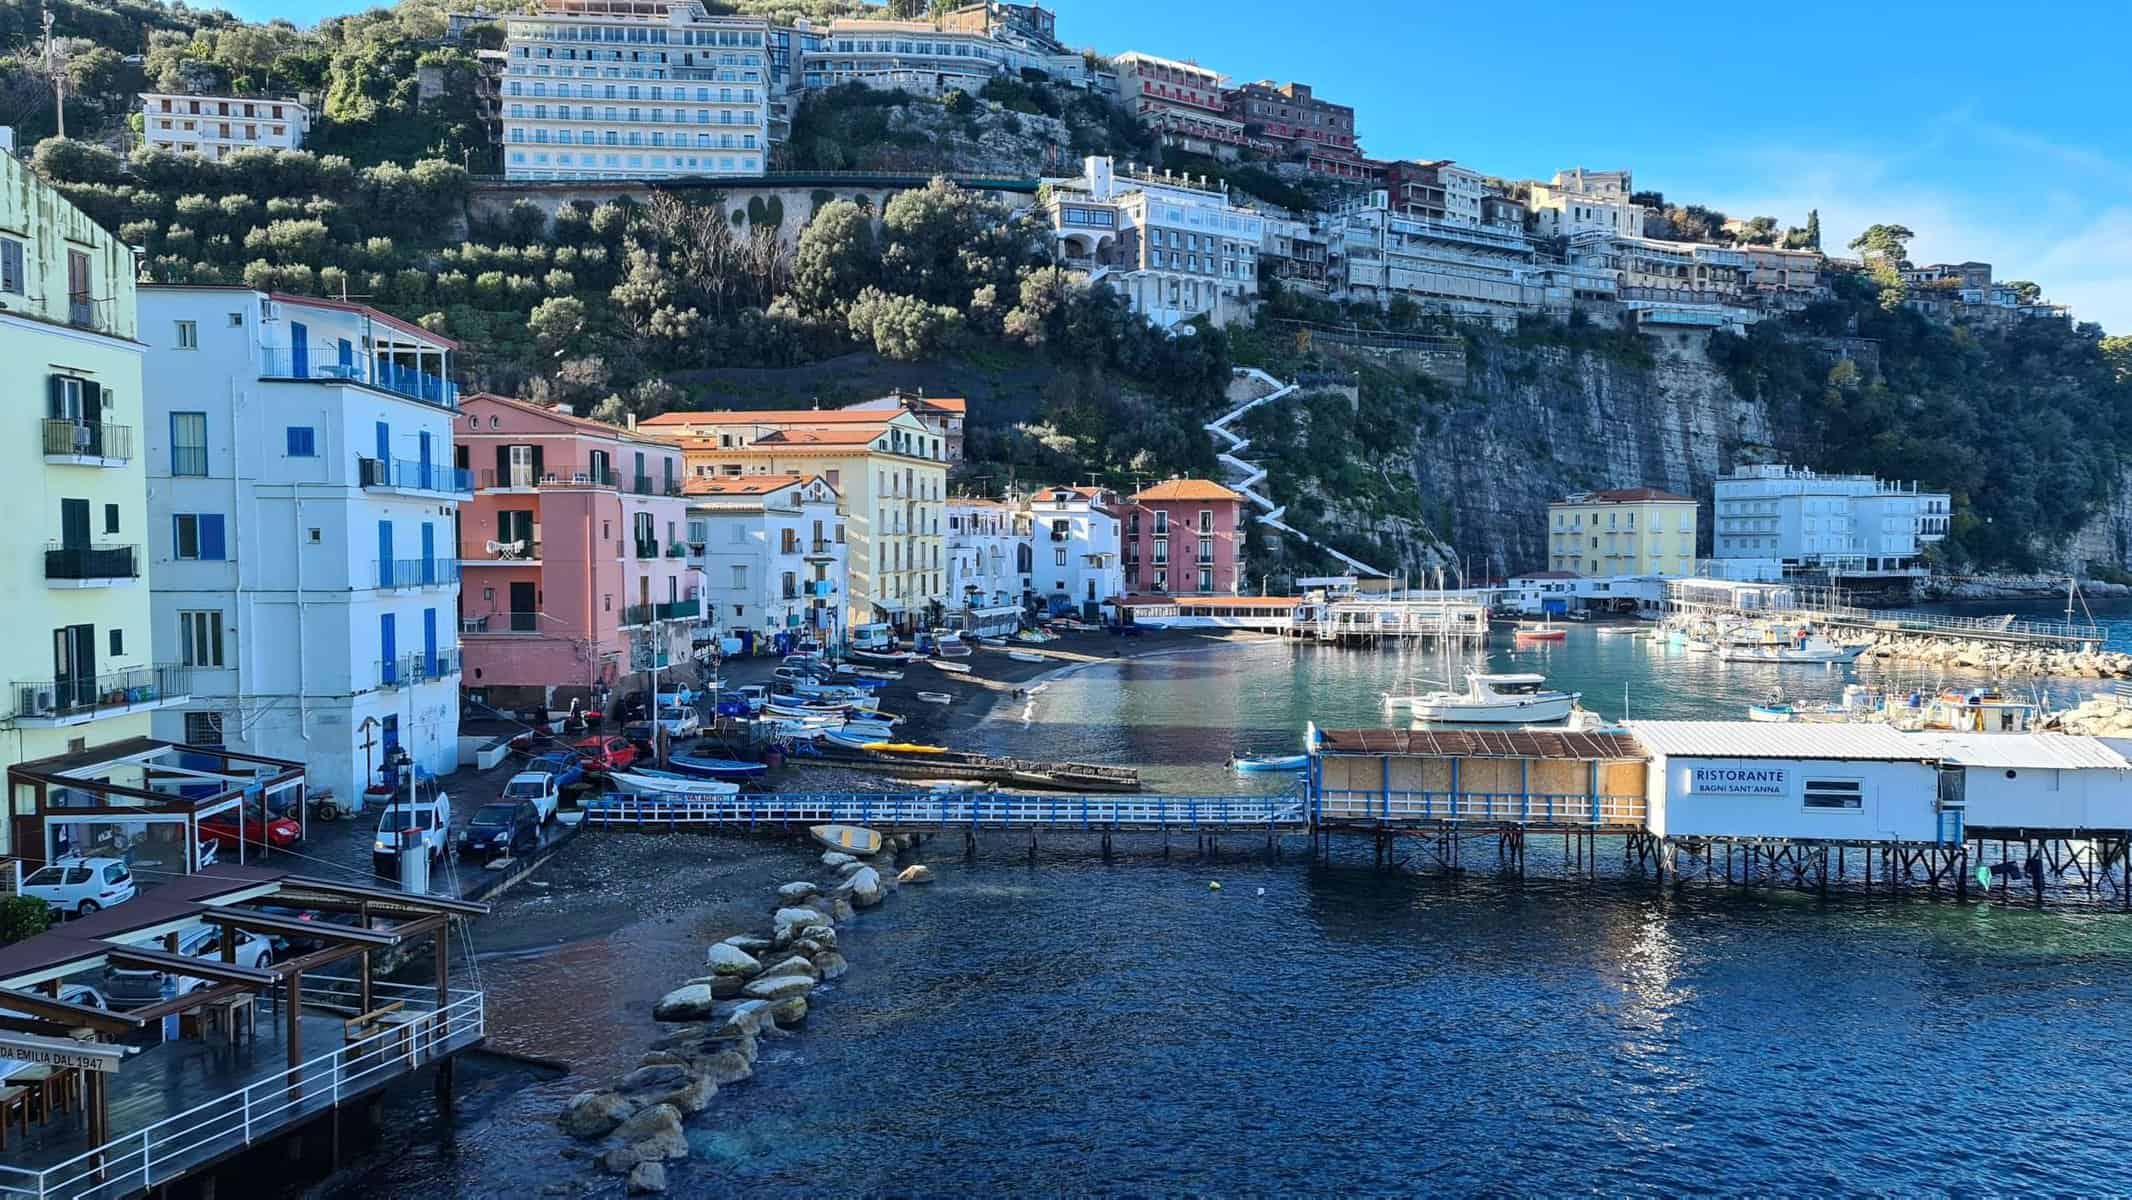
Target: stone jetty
[(754, 986), (1994, 658)]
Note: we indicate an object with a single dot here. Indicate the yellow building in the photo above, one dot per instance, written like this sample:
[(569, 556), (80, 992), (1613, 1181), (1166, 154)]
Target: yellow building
[(890, 471), (80, 670), (1624, 531)]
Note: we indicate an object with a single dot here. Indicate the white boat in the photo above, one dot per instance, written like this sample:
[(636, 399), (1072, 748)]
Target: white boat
[(951, 668), (1814, 649), (1024, 656), (1698, 646), (1511, 699), (936, 697), (951, 645), (673, 785)]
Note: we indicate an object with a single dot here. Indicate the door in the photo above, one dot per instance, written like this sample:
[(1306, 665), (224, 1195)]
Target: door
[(385, 572), (344, 356), (602, 467), (384, 435), (522, 607), (429, 554), (521, 467), (388, 650), (299, 350), (74, 666), (429, 643), (74, 524)]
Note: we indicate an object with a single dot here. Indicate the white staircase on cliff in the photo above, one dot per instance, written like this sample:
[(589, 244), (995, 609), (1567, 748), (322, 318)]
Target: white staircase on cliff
[(1250, 475)]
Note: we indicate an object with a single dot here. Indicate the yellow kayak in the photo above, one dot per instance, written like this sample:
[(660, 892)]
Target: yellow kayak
[(905, 748)]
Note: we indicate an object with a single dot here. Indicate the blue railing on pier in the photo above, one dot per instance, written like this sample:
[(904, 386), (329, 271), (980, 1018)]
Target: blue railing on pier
[(1557, 810), (977, 810)]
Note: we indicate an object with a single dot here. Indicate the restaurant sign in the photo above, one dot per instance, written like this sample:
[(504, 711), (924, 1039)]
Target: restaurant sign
[(61, 1052), (1743, 779)]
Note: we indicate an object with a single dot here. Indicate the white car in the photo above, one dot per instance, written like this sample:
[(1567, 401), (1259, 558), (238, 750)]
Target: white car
[(82, 885), (680, 723), (536, 788), (129, 987), (430, 816)]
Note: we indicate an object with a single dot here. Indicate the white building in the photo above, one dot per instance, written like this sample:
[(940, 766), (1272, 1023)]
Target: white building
[(1838, 525), (1173, 248), (915, 56), (216, 126), (1580, 201), (634, 89), (771, 551), (990, 559), (1375, 255), (303, 497), (1747, 779), (1076, 544)]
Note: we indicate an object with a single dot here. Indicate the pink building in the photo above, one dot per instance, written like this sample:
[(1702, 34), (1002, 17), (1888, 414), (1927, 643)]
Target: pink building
[(1184, 537), (572, 553)]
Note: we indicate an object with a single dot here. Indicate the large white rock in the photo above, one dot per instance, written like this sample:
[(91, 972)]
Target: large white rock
[(790, 920), (865, 888), (647, 1178), (836, 858), (749, 942), (689, 1002), (731, 960), (795, 965), (778, 987), (915, 873)]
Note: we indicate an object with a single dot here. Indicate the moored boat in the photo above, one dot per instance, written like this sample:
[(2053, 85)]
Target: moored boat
[(665, 783), (851, 839), (698, 765), (952, 668), (1505, 699), (1259, 764)]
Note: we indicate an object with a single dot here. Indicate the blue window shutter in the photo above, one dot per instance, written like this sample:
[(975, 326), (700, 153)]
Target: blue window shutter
[(388, 649), (211, 537), (429, 641), (384, 553), (429, 553), (384, 442), (173, 443)]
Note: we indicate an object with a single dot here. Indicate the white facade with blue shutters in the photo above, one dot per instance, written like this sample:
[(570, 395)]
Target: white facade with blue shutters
[(303, 495)]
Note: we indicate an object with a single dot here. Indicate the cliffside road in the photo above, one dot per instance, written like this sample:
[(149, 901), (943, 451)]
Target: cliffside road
[(1250, 475)]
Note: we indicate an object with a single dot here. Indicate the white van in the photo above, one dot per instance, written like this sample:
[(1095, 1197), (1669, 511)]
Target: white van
[(871, 637)]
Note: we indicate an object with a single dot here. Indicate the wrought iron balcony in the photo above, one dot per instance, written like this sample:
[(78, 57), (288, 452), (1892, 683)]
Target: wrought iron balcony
[(84, 563), (403, 574), (638, 614), (88, 696), (679, 610), (69, 439)]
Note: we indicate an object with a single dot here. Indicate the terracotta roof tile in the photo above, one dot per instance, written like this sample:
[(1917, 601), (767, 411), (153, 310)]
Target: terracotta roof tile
[(1187, 489), (739, 485)]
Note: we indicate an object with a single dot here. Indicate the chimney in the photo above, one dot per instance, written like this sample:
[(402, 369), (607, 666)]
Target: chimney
[(630, 420), (565, 410)]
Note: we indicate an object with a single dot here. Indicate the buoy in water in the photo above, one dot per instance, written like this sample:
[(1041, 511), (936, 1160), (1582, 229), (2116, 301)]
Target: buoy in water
[(1214, 885), (1262, 891)]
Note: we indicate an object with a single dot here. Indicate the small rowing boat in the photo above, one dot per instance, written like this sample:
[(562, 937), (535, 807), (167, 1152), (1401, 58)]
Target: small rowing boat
[(851, 839), (692, 764), (665, 783), (1024, 656), (936, 697), (952, 668), (903, 748), (1257, 764)]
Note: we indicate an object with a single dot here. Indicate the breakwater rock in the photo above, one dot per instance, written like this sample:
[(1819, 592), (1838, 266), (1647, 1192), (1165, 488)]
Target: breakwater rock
[(2103, 716), (758, 986), (1996, 658)]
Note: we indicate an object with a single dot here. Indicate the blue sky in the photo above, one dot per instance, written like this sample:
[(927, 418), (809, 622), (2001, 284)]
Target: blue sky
[(1994, 133)]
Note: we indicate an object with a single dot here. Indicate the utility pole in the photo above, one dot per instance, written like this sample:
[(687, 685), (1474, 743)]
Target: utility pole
[(55, 68)]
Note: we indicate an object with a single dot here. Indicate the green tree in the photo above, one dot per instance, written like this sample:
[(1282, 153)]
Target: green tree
[(555, 321), (835, 259), (1879, 241), (904, 328)]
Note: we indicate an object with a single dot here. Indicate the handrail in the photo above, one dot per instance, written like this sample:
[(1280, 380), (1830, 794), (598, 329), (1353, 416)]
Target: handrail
[(977, 809), (1518, 808)]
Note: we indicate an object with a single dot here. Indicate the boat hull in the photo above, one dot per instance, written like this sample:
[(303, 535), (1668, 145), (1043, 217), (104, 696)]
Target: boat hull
[(1538, 711)]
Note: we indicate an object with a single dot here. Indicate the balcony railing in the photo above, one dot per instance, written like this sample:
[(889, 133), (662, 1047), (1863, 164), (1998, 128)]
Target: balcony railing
[(282, 362), (676, 550), (413, 475), (402, 574), (501, 622), (679, 610), (821, 548), (79, 696), (564, 477), (87, 439), (91, 562), (420, 667), (648, 549), (641, 485), (639, 614)]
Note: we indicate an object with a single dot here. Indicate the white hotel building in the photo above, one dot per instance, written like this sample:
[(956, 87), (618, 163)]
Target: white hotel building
[(1843, 526), (915, 56), (216, 126), (634, 89), (303, 503), (1173, 248), (771, 550)]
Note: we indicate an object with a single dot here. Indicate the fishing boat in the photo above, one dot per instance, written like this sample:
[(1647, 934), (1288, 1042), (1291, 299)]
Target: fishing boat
[(951, 645), (952, 668), (1513, 699), (851, 839), (847, 739), (1775, 712), (1260, 764), (1545, 631), (885, 676), (1024, 656), (665, 783), (1810, 649), (936, 697), (690, 764), (1618, 631), (888, 657), (1698, 645)]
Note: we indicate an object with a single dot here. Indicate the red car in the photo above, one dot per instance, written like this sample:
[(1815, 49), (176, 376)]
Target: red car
[(606, 753), (259, 829)]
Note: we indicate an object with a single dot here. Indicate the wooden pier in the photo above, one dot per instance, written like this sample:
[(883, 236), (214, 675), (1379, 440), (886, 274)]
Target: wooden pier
[(987, 768)]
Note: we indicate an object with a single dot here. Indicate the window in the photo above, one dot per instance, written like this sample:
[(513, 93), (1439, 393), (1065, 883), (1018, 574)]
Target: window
[(1842, 794), (11, 273), (188, 443), (740, 577), (203, 728), (188, 335), (118, 642), (110, 518), (200, 640), (197, 536), (1061, 557), (303, 442)]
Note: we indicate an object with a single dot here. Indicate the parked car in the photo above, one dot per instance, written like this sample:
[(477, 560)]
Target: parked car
[(606, 753), (258, 828), (130, 987), (429, 815), (81, 886), (561, 765), (508, 827), (536, 788), (680, 723), (287, 945)]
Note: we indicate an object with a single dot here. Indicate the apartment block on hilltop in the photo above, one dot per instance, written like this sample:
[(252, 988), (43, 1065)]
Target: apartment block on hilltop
[(303, 494), (1076, 537), (771, 551), (1581, 201), (1622, 531), (1302, 127), (943, 415), (1185, 103), (214, 127), (82, 669), (1437, 191), (1173, 249), (1834, 526), (634, 89), (888, 468), (921, 57), (1184, 536), (574, 571)]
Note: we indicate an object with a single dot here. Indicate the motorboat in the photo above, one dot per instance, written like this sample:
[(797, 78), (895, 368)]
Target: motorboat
[(936, 698), (1509, 699), (666, 783), (1810, 649), (690, 764), (1024, 656), (1696, 645), (1545, 631), (1262, 764), (1775, 712), (952, 668), (862, 703), (1618, 631)]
